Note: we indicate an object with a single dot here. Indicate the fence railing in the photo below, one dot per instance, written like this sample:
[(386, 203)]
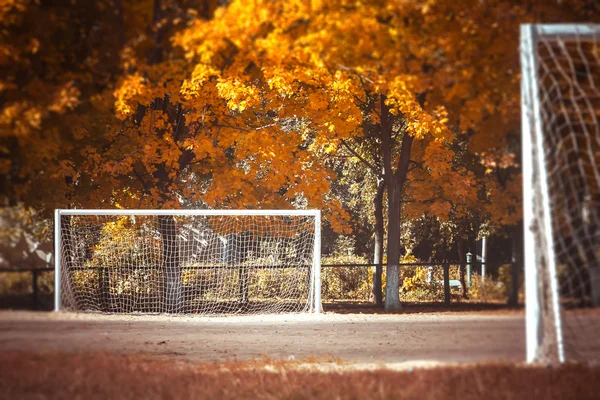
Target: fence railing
[(327, 277), (35, 275), (444, 266)]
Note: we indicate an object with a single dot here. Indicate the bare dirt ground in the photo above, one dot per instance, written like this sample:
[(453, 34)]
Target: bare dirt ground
[(367, 339), (371, 356)]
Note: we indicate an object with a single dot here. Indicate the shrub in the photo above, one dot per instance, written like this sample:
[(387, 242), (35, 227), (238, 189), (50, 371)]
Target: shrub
[(488, 290), (16, 283), (495, 290), (346, 283), (415, 285)]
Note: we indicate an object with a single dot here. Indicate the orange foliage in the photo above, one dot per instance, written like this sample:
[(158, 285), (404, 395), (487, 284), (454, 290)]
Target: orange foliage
[(121, 104)]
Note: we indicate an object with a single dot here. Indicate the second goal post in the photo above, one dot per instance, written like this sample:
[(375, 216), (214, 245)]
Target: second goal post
[(560, 67), (188, 261)]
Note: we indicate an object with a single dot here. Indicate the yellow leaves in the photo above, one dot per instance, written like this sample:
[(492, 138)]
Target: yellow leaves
[(329, 126), (118, 228), (201, 74), (337, 216), (285, 82), (66, 99), (331, 148), (155, 121), (498, 159), (202, 147), (438, 158), (19, 119), (439, 121), (418, 279), (79, 132), (444, 188), (238, 95), (401, 99), (505, 209), (155, 81), (128, 94)]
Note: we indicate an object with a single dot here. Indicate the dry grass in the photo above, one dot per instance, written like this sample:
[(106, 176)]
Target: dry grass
[(103, 376)]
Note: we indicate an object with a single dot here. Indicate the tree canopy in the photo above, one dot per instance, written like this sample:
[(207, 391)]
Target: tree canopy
[(268, 104)]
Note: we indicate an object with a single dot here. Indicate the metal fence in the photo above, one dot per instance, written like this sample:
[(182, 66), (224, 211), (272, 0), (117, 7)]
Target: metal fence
[(349, 282), (443, 274), (34, 293)]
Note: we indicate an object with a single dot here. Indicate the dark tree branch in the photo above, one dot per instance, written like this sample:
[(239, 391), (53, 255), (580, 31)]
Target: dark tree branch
[(177, 133), (142, 181), (362, 159)]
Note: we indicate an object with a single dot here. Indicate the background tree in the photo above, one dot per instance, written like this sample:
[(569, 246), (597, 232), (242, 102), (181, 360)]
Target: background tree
[(181, 103)]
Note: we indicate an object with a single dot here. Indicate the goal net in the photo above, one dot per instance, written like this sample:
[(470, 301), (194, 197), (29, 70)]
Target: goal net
[(561, 184), (200, 262)]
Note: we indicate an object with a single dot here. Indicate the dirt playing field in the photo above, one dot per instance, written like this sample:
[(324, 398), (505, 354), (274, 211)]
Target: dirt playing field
[(350, 338), (333, 355)]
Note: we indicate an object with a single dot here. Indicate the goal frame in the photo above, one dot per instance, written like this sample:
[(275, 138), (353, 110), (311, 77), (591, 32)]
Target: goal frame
[(314, 300), (534, 170)]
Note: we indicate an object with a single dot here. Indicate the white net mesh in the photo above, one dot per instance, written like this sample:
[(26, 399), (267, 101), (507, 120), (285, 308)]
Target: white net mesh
[(201, 264), (567, 73)]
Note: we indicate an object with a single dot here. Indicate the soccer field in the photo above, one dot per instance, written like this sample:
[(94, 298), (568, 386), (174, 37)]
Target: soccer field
[(304, 356), (365, 339)]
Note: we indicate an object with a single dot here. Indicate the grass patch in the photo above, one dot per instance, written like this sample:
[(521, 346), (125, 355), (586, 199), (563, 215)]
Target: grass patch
[(100, 376)]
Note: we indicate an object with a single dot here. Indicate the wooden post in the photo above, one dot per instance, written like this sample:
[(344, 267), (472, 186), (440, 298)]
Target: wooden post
[(104, 288), (446, 284), (34, 285)]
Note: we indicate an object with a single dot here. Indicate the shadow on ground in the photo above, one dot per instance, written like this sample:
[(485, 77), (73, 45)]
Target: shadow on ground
[(420, 308)]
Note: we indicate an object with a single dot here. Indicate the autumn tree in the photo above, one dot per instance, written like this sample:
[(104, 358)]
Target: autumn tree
[(479, 83), (181, 103), (339, 77), (127, 121)]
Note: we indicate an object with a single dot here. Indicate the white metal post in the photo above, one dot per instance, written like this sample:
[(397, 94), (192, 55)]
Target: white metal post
[(56, 260), (532, 298), (191, 212), (469, 267), (317, 264), (545, 196), (483, 254), (532, 132)]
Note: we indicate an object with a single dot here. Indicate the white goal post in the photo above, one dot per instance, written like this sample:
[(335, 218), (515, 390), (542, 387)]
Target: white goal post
[(560, 103), (188, 261)]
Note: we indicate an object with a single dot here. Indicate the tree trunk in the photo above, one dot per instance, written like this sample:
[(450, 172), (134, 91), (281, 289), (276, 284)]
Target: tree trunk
[(377, 289), (392, 272), (172, 293), (516, 234), (395, 183), (104, 288), (239, 256)]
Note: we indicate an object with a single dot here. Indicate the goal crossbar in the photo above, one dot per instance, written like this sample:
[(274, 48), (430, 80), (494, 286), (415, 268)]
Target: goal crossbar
[(315, 213)]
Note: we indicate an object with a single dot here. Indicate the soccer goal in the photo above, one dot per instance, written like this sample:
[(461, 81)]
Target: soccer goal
[(561, 189), (188, 261)]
